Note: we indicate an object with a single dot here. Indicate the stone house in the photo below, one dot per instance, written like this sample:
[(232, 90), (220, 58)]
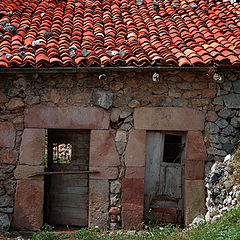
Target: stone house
[(144, 95)]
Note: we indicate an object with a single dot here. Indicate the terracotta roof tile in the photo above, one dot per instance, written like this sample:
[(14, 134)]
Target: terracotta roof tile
[(42, 33)]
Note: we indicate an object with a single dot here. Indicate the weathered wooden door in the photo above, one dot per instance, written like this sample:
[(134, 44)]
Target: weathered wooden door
[(67, 195), (163, 189)]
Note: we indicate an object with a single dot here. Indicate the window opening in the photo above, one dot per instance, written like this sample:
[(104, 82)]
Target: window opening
[(62, 153), (173, 148)]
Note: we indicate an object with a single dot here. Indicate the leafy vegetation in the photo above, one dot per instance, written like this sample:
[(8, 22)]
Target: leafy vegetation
[(225, 228)]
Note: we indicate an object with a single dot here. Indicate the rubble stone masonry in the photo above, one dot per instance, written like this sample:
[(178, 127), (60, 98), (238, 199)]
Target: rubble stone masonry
[(26, 101)]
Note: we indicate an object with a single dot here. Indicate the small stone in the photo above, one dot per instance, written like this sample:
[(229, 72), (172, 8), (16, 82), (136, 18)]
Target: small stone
[(211, 128), (228, 148), (6, 210), (113, 218), (232, 100), (30, 100), (236, 86), (126, 127), (115, 114), (4, 222), (226, 113), (126, 113), (128, 119), (10, 186), (134, 104), (121, 136), (3, 98), (222, 123), (114, 199), (218, 101), (215, 151), (224, 139), (211, 116), (102, 99), (114, 210), (15, 103), (6, 201), (228, 130), (115, 187), (235, 122), (121, 146)]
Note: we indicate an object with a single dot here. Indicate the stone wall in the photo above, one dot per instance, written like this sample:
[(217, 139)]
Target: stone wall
[(119, 93)]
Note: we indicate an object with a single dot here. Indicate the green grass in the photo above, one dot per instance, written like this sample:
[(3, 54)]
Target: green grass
[(225, 228)]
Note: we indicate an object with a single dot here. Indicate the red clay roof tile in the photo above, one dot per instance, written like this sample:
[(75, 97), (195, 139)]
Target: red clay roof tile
[(118, 32)]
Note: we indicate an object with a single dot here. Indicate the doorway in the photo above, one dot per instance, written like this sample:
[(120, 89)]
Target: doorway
[(163, 187), (66, 186)]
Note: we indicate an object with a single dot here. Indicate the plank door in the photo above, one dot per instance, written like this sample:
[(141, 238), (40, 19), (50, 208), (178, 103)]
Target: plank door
[(163, 189), (67, 195)]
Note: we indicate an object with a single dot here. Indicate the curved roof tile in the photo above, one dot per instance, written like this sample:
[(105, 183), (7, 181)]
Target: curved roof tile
[(103, 33)]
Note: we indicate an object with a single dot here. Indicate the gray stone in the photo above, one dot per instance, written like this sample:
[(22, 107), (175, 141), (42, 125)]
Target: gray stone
[(128, 119), (224, 139), (13, 92), (232, 100), (215, 151), (134, 104), (235, 122), (125, 113), (121, 136), (4, 222), (6, 201), (6, 210), (228, 130), (228, 148), (178, 102), (213, 138), (30, 100), (227, 86), (121, 147), (10, 186), (2, 190), (115, 187), (218, 101), (114, 199), (126, 127), (226, 113), (115, 114), (102, 99), (211, 128), (236, 86), (222, 123)]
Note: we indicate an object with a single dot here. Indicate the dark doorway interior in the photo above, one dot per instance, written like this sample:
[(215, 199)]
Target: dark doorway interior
[(66, 195)]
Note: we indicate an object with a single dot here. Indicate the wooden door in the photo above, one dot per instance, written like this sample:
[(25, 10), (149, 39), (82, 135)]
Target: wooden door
[(163, 189), (67, 195)]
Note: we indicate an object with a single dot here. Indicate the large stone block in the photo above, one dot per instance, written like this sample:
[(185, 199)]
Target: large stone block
[(28, 210), (132, 216), (40, 116), (32, 148), (168, 118), (135, 172), (102, 149), (194, 169), (7, 134), (194, 199), (25, 171), (104, 173), (136, 148), (195, 147), (98, 203), (133, 191)]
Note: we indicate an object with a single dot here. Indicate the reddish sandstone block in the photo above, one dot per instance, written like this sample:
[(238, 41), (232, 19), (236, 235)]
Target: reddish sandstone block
[(7, 134), (32, 148), (132, 216), (168, 118), (194, 199), (66, 117), (104, 173), (135, 172), (136, 148), (194, 170), (98, 203), (28, 210), (195, 147), (133, 191), (102, 149)]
